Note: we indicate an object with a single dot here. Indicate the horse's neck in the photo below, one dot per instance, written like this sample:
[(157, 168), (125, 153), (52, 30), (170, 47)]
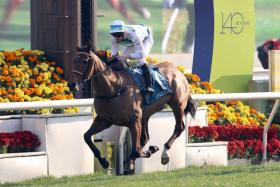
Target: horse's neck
[(106, 82)]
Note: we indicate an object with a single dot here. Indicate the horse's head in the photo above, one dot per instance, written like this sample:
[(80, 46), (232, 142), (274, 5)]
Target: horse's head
[(82, 67)]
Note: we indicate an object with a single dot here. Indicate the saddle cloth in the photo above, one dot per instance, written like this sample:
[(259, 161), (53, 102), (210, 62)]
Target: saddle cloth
[(159, 83)]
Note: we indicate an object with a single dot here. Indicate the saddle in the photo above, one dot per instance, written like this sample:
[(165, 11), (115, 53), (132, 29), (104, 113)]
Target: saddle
[(159, 83)]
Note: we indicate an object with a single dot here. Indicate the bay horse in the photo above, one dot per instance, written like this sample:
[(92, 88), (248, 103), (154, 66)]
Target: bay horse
[(118, 101)]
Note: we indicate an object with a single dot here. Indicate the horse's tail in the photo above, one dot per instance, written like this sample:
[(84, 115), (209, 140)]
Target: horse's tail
[(191, 107)]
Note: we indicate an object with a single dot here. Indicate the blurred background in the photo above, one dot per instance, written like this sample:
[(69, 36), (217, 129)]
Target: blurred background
[(15, 22)]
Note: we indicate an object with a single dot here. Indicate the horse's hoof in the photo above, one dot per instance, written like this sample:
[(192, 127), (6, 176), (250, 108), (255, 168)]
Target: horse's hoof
[(164, 160), (153, 148), (129, 172), (129, 169), (147, 154), (104, 163)]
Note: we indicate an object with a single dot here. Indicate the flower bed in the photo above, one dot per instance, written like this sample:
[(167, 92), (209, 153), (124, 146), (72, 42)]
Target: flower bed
[(26, 75), (20, 141), (244, 141), (222, 113)]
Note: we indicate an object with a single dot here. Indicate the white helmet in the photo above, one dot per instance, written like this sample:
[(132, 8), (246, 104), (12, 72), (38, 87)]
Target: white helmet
[(117, 26)]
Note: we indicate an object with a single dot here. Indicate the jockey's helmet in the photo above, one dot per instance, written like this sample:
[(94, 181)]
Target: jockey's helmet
[(117, 26)]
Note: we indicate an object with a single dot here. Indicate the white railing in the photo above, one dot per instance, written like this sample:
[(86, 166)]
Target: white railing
[(195, 97), (246, 96), (46, 104)]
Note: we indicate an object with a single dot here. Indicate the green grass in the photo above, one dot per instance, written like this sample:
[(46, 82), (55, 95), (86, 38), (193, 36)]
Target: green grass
[(18, 33), (191, 176)]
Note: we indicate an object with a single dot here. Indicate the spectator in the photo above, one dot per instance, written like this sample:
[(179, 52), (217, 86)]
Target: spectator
[(120, 6), (190, 29), (11, 7), (271, 44), (174, 4)]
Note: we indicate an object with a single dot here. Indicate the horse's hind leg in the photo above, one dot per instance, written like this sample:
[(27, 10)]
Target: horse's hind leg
[(179, 128), (97, 126), (145, 138), (145, 132)]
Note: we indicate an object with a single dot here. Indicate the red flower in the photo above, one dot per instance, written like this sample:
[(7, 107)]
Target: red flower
[(23, 141), (243, 141)]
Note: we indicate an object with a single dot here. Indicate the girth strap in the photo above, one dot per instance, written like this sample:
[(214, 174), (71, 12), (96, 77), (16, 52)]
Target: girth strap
[(119, 93)]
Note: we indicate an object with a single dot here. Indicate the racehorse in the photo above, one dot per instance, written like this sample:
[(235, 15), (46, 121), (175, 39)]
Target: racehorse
[(118, 101)]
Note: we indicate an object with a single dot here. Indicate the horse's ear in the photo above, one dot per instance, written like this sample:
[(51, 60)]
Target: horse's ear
[(89, 45)]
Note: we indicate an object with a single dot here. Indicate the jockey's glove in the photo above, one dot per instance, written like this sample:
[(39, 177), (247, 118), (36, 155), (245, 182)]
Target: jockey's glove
[(122, 58)]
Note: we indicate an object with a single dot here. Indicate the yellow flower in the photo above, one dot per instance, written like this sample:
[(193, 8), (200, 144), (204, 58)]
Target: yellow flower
[(47, 90), (35, 71), (38, 52)]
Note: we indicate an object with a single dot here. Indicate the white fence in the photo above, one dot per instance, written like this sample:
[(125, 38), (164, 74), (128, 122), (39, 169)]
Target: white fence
[(46, 104), (246, 96), (195, 97)]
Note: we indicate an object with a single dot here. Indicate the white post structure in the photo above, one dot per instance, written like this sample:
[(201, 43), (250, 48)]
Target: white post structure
[(246, 96)]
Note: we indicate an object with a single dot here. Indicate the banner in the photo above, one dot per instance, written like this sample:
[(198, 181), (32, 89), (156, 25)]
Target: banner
[(225, 43)]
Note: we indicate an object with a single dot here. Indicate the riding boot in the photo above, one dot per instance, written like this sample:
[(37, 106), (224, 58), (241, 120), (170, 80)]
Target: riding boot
[(148, 78)]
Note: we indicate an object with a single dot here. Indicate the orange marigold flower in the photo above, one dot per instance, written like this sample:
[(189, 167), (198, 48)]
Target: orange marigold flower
[(27, 52), (253, 111), (195, 78), (32, 58), (10, 56), (39, 79), (56, 77), (38, 91), (5, 72), (69, 96), (59, 70), (8, 79)]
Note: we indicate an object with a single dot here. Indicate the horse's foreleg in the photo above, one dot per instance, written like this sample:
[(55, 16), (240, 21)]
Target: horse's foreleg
[(145, 133), (97, 126), (179, 128), (136, 150)]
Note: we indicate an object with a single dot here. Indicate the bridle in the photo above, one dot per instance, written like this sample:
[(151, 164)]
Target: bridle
[(85, 81)]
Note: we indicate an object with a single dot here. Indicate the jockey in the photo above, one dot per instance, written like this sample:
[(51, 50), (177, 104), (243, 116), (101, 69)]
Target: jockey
[(137, 41)]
